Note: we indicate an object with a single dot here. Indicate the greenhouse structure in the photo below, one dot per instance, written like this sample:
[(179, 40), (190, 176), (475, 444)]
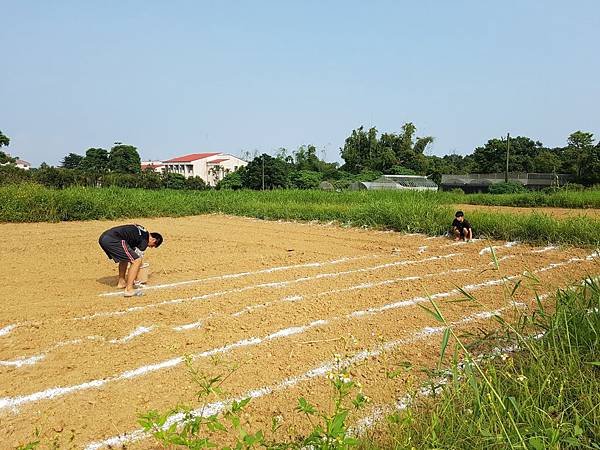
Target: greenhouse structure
[(397, 182)]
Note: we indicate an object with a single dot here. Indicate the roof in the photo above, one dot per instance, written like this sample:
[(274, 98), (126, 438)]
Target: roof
[(151, 166), (191, 157), (216, 161), (23, 162)]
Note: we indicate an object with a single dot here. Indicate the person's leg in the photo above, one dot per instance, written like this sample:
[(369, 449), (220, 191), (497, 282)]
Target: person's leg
[(132, 275), (122, 270), (468, 234)]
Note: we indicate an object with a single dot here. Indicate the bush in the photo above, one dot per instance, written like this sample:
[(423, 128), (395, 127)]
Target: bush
[(10, 174), (231, 181), (512, 187), (305, 179)]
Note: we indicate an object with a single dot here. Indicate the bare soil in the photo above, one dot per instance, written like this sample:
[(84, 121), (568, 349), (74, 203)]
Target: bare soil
[(79, 362)]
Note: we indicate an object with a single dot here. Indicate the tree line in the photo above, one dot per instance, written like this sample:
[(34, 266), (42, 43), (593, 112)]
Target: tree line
[(366, 154)]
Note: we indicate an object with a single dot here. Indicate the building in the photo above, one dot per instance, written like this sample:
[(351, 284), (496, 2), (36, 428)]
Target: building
[(480, 182), (211, 167), (20, 163), (156, 166), (399, 182)]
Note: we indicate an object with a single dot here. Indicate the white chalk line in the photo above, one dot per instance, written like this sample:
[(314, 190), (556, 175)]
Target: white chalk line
[(14, 402), (23, 360), (7, 329), (270, 285), (245, 274), (319, 371), (485, 250)]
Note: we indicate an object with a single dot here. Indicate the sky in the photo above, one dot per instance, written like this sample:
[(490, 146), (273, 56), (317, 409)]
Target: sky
[(180, 77)]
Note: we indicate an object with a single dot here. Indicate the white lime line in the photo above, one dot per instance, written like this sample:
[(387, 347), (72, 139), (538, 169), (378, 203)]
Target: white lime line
[(195, 325), (20, 362), (7, 329), (245, 274), (271, 285), (319, 371), (545, 249), (485, 250), (137, 332), (15, 402)]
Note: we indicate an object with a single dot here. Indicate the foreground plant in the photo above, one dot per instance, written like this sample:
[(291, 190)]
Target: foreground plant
[(539, 393), (199, 428)]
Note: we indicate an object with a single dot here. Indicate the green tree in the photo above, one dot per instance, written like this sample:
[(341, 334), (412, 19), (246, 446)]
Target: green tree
[(273, 171), (124, 159), (195, 183), (4, 158), (579, 147), (4, 140), (71, 161), (491, 157), (547, 161), (232, 181), (305, 179), (173, 181), (95, 160)]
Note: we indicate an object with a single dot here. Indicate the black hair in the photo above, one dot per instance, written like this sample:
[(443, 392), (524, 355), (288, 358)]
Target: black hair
[(158, 237), (458, 214)]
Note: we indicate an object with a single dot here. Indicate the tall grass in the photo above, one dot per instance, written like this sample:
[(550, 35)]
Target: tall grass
[(589, 198), (547, 396), (415, 212)]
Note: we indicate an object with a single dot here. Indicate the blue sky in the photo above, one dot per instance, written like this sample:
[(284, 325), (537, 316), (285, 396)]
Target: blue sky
[(190, 76)]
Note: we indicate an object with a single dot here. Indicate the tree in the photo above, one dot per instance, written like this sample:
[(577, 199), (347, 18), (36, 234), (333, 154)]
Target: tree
[(491, 158), (124, 159), (305, 179), (579, 146), (71, 161), (195, 183), (174, 180), (547, 161), (232, 181), (4, 140), (95, 160), (264, 168), (4, 158)]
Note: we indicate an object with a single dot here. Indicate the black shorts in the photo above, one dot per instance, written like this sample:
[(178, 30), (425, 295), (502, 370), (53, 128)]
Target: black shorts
[(117, 250)]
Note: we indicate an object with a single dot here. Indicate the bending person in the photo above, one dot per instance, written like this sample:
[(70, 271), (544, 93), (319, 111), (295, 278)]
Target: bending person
[(119, 244)]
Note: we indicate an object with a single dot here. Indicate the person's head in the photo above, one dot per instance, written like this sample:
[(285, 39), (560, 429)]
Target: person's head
[(155, 240), (460, 216)]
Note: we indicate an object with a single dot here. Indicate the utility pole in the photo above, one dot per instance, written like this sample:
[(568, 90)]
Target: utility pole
[(263, 172), (507, 156)]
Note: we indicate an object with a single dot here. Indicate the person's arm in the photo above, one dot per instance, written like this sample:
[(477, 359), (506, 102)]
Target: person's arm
[(133, 273)]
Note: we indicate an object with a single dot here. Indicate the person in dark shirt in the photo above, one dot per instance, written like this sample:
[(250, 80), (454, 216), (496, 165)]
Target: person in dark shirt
[(119, 244), (461, 228)]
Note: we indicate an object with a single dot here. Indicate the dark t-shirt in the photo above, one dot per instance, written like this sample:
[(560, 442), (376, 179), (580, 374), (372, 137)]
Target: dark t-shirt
[(461, 225), (136, 236)]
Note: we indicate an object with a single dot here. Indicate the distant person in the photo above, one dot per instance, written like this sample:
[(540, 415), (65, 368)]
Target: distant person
[(120, 244), (461, 228)]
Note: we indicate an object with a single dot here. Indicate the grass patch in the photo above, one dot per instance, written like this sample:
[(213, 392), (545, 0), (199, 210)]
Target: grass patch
[(589, 198), (544, 396), (414, 212)]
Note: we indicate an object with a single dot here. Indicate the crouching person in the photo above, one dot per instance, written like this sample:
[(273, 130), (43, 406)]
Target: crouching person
[(120, 244), (461, 228)]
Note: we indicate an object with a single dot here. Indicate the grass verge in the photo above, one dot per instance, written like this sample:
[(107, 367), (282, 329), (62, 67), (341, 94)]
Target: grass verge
[(414, 212), (544, 396)]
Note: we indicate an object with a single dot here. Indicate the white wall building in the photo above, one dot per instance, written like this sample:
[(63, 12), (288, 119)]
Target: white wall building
[(211, 167)]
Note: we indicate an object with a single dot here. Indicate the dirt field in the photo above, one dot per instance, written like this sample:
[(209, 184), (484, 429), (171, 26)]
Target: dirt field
[(279, 298), (558, 213)]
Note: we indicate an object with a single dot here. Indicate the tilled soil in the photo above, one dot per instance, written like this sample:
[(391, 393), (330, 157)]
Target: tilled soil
[(79, 362)]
